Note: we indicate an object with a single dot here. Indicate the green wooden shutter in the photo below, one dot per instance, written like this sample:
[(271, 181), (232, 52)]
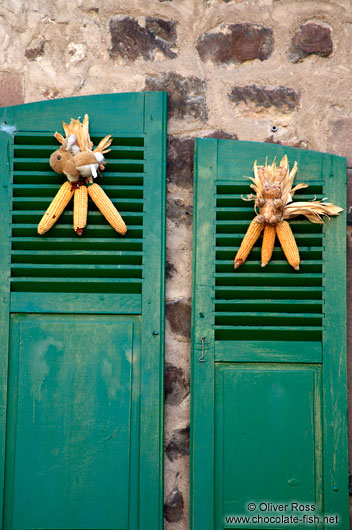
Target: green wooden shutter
[(83, 324), (269, 399)]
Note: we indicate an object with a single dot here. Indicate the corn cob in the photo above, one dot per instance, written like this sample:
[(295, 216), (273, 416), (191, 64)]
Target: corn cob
[(80, 209), (253, 232), (102, 201), (268, 243), (288, 243), (56, 207)]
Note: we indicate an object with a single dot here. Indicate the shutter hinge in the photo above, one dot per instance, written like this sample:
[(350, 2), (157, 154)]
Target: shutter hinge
[(350, 484)]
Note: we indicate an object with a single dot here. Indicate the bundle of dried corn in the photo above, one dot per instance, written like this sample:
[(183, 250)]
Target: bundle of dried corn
[(77, 160), (273, 197)]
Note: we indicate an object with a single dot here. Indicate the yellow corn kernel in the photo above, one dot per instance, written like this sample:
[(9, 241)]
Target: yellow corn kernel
[(80, 209), (253, 232), (288, 243), (102, 201), (56, 207), (268, 243)]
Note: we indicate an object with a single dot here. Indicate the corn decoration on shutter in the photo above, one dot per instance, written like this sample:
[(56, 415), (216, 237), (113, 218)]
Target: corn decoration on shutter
[(273, 198), (57, 206), (77, 160)]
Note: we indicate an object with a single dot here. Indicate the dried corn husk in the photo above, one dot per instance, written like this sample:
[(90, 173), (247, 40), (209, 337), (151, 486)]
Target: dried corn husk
[(313, 210), (104, 144), (81, 131)]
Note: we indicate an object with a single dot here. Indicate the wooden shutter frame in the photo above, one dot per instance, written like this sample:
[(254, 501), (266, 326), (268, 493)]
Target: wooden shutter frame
[(149, 110), (5, 246), (335, 487)]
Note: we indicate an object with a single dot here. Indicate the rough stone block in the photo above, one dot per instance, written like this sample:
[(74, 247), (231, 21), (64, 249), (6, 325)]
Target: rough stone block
[(176, 385), (76, 53), (186, 95), (222, 135), (49, 93), (179, 444), (36, 49), (11, 90), (130, 40), (178, 314), (236, 43), (180, 153), (311, 38), (290, 142), (283, 98), (162, 29), (173, 507), (340, 139), (170, 269), (178, 211)]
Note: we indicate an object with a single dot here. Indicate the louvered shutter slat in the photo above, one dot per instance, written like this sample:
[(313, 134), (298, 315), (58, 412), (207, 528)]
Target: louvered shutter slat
[(31, 154)]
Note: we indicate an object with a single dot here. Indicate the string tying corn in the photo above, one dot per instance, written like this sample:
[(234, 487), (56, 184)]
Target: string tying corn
[(57, 206)]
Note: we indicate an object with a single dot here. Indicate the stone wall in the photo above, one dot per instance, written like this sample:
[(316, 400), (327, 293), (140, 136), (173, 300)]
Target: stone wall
[(268, 70)]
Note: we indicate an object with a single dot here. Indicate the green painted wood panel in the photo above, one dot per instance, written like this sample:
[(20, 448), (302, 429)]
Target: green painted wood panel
[(268, 434), (202, 432), (153, 323), (334, 349), (117, 112), (69, 431), (269, 398), (76, 458)]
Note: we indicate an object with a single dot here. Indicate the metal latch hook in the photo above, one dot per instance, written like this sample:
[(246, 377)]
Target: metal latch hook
[(201, 358)]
